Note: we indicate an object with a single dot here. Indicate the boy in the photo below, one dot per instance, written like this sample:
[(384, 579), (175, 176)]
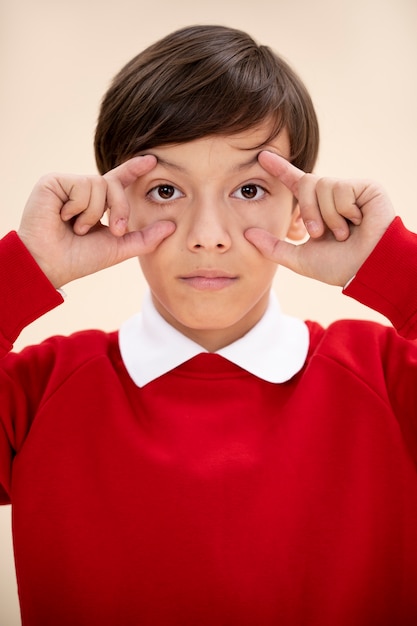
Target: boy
[(215, 461)]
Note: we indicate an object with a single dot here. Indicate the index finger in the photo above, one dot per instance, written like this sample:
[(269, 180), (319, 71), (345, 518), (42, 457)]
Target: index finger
[(117, 180), (287, 173), (129, 171)]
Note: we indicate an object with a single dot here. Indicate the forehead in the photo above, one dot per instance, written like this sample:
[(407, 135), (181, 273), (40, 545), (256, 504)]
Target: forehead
[(233, 153)]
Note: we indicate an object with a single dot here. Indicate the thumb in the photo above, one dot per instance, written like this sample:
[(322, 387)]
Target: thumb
[(276, 250), (140, 242)]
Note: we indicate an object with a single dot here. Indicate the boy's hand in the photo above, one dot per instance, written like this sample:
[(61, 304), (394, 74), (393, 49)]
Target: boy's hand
[(61, 224), (344, 218)]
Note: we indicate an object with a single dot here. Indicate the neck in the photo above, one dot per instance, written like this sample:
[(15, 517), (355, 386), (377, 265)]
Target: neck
[(215, 338)]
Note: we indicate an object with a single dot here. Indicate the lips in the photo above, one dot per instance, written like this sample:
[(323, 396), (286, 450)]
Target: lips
[(209, 279)]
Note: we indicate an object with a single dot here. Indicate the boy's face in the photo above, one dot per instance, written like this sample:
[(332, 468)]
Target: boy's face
[(206, 279)]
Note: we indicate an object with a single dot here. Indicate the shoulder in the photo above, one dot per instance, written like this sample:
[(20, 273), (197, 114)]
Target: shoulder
[(365, 348), (59, 356), (355, 336), (79, 347)]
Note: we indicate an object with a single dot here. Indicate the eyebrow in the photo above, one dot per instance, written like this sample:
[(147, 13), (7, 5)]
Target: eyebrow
[(246, 164), (236, 168), (169, 164)]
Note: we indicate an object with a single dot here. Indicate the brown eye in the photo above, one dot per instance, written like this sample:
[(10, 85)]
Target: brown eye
[(249, 191), (165, 191)]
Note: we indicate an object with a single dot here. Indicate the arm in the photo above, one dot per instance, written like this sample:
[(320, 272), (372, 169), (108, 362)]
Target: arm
[(60, 238), (25, 294), (356, 242), (25, 291), (353, 235), (64, 239), (61, 224), (386, 281), (344, 218)]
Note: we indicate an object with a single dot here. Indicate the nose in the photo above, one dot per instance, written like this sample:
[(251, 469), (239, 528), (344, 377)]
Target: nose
[(208, 228)]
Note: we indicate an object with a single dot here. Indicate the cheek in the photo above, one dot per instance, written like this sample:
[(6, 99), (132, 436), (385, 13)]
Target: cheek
[(136, 213), (151, 270), (276, 219), (158, 264), (141, 214)]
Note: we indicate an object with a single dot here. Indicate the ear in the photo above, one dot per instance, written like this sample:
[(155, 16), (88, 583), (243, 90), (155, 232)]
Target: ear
[(296, 230)]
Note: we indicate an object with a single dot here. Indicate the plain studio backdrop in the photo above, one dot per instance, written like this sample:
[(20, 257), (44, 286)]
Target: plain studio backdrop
[(357, 57)]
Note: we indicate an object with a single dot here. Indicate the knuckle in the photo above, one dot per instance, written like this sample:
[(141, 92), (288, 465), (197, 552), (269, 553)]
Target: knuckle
[(47, 179), (340, 185), (308, 209), (50, 182), (99, 183), (324, 183)]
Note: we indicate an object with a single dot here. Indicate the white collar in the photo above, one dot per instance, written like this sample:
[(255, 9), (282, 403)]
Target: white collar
[(275, 349)]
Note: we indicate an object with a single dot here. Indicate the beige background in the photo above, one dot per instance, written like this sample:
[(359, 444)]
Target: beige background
[(358, 57)]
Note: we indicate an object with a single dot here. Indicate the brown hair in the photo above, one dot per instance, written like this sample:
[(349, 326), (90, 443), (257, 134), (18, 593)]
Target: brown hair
[(201, 81)]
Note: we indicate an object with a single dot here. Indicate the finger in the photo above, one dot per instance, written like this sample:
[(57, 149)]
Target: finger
[(344, 194), (118, 206), (90, 212), (301, 185), (276, 250), (337, 205), (309, 206), (144, 241), (118, 180), (287, 173), (333, 220), (75, 194), (129, 171)]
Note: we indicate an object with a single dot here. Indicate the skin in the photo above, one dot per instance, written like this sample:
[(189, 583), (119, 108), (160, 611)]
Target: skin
[(207, 279), (345, 219), (61, 225), (208, 220)]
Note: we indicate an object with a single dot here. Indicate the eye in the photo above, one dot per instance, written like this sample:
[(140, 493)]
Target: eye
[(249, 192), (164, 193)]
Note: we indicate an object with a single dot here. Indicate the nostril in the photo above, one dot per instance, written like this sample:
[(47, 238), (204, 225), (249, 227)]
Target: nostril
[(210, 245)]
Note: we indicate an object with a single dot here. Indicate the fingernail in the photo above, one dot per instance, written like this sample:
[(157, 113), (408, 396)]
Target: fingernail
[(82, 229), (312, 227), (340, 234), (121, 224)]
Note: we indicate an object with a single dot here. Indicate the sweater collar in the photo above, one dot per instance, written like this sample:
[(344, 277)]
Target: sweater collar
[(275, 349)]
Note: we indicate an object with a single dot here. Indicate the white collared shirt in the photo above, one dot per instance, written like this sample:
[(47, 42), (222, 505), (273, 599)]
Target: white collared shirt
[(275, 349)]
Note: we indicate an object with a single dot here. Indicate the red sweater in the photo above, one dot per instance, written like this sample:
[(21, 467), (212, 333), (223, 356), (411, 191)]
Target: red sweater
[(210, 497)]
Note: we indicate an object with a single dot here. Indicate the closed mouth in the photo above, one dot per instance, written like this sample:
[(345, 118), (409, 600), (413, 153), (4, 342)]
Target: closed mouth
[(209, 279)]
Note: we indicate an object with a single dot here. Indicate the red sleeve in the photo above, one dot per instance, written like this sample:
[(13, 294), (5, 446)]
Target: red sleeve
[(387, 281), (25, 295), (25, 291)]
